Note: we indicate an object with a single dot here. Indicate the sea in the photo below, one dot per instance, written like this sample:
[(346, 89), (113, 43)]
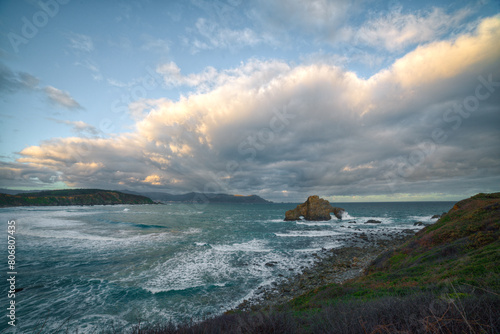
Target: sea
[(89, 269)]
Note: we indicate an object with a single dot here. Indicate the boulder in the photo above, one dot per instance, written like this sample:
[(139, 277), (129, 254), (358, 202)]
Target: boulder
[(314, 208)]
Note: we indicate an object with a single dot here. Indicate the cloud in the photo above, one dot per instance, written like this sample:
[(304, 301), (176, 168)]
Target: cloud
[(214, 36), (61, 98), (80, 42), (79, 127), (320, 16), (336, 23), (316, 21), (274, 128), (395, 30), (93, 68), (11, 81), (173, 77)]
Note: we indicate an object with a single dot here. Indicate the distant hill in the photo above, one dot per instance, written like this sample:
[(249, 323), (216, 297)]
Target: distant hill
[(195, 197), (16, 192), (72, 197)]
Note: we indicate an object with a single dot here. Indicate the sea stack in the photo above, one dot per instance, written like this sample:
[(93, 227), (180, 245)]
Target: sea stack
[(314, 208)]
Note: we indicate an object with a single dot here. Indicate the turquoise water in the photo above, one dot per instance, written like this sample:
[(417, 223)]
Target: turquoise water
[(89, 268)]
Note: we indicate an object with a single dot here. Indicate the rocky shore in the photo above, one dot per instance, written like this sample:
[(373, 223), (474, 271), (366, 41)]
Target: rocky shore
[(331, 266)]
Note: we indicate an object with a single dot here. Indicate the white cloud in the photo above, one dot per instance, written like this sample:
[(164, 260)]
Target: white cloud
[(80, 42), (397, 30), (318, 20), (211, 78), (317, 16), (61, 98), (93, 68), (79, 127), (173, 77), (211, 35)]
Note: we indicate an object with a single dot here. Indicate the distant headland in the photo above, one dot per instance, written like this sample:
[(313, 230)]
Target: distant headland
[(66, 197), (72, 197), (201, 198)]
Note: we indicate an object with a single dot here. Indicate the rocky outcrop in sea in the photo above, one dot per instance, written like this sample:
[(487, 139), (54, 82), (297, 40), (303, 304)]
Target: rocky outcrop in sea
[(314, 208)]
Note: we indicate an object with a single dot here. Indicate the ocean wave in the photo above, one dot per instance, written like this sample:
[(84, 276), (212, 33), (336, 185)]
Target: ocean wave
[(250, 246), (347, 216), (428, 219), (308, 234), (320, 223)]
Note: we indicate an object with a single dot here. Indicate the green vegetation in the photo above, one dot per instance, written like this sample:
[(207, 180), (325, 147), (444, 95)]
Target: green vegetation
[(444, 280), (72, 197)]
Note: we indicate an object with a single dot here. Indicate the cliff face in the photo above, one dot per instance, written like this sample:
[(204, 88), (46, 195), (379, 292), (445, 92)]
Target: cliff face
[(314, 208), (72, 197)]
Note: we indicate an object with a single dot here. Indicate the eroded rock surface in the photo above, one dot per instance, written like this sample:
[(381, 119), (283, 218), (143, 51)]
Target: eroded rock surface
[(314, 208)]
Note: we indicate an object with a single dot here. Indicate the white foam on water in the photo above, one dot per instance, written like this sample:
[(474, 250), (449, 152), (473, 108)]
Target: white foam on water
[(383, 220), (327, 246), (308, 234), (193, 230), (347, 216), (201, 244), (250, 246), (273, 221), (427, 219), (188, 270), (320, 223)]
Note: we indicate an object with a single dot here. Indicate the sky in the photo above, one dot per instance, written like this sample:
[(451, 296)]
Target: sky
[(350, 100)]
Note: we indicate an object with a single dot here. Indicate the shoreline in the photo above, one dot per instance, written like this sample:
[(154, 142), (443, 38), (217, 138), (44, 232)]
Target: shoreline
[(335, 265)]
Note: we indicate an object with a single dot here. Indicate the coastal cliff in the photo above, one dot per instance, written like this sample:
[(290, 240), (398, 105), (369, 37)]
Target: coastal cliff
[(72, 197)]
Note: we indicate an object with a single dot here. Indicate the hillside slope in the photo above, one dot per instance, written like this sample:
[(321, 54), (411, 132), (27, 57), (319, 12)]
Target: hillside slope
[(72, 197)]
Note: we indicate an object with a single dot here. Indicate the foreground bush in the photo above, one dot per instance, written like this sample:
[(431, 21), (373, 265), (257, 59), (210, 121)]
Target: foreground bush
[(421, 313)]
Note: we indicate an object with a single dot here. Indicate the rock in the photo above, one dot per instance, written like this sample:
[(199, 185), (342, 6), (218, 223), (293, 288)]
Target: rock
[(373, 221), (407, 231), (314, 208), (437, 216), (353, 222), (418, 224), (271, 264)]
